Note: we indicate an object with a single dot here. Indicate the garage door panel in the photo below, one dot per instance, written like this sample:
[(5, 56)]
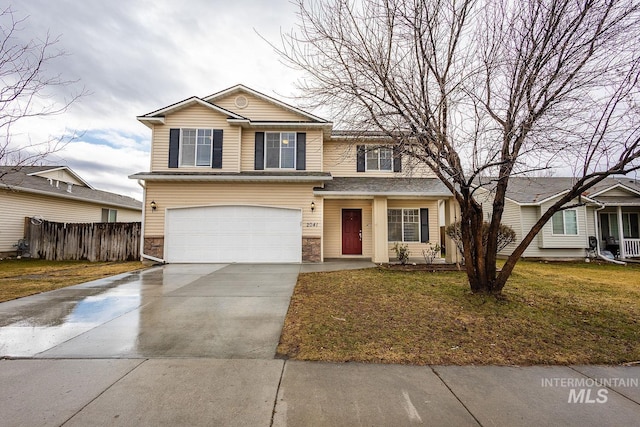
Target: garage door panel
[(233, 234)]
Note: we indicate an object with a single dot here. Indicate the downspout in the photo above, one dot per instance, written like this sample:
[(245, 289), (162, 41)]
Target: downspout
[(615, 261), (144, 208)]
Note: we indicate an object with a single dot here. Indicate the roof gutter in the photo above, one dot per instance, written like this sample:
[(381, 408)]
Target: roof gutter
[(66, 196), (144, 204), (231, 178)]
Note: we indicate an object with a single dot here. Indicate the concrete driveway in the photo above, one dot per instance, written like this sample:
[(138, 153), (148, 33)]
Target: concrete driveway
[(214, 311)]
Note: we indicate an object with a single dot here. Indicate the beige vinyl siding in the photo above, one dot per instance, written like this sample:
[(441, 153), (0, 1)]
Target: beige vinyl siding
[(333, 226), (561, 241), (340, 158), (196, 116), (62, 176), (530, 215), (15, 206), (511, 216), (617, 192), (176, 194), (258, 109), (416, 248), (313, 148)]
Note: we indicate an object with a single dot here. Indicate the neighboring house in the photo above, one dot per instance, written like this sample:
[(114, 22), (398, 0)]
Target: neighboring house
[(55, 193), (239, 176), (610, 211)]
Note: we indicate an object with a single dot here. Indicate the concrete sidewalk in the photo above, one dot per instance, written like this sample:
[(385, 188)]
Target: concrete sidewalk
[(206, 392)]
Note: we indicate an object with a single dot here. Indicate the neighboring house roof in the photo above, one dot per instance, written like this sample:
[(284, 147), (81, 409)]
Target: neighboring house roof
[(255, 176), (365, 186), (536, 190), (23, 179)]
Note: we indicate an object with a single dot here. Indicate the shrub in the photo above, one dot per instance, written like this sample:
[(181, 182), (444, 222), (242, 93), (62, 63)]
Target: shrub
[(402, 252)]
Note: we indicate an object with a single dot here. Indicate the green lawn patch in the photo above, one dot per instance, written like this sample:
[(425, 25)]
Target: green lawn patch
[(551, 314), (20, 278)]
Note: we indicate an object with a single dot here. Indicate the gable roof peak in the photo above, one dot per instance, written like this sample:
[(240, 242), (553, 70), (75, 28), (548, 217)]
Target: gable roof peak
[(267, 98)]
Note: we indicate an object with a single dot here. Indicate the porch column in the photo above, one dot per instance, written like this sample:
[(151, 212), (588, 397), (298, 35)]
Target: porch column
[(451, 214), (380, 230), (621, 233)]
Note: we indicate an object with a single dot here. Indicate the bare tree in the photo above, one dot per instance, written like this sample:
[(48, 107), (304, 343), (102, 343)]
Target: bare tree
[(27, 91), (481, 88)]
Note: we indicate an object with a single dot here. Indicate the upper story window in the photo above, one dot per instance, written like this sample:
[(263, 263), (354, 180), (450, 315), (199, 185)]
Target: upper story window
[(280, 150), (565, 222), (380, 159), (196, 147)]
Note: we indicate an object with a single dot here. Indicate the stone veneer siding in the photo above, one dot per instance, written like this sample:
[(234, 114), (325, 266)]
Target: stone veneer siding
[(154, 246), (311, 249)]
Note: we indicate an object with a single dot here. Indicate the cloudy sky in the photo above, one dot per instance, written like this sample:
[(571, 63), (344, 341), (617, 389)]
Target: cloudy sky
[(136, 56)]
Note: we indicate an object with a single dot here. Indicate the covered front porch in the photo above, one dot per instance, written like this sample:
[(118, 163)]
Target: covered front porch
[(364, 217), (619, 230)]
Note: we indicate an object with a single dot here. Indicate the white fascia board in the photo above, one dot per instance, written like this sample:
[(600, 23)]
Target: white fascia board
[(613, 187), (68, 169), (184, 103), (289, 124), (68, 196), (150, 121), (347, 194), (231, 178), (265, 98)]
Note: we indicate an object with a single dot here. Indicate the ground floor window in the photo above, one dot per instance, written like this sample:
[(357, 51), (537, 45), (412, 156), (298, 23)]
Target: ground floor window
[(109, 215), (403, 225), (565, 222)]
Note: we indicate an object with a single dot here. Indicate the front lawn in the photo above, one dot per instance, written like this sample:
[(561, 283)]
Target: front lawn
[(552, 314), (19, 278)]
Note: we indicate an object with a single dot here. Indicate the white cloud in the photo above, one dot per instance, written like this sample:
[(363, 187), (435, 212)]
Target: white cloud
[(138, 56)]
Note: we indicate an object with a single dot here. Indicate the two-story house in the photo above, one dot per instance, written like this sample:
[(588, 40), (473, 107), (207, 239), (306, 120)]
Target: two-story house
[(239, 176)]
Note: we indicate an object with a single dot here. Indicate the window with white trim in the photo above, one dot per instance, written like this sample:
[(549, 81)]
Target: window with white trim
[(379, 159), (280, 150), (403, 225), (109, 215), (565, 222), (196, 147)]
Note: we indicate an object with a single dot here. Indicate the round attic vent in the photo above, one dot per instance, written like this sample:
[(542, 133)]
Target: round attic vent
[(241, 101)]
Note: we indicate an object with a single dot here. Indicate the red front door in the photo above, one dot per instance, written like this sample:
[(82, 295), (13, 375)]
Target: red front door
[(352, 232)]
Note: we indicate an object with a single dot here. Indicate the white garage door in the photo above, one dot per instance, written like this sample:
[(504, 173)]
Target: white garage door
[(233, 234)]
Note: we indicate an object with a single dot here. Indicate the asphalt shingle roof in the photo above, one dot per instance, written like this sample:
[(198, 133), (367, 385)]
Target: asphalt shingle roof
[(386, 186), (536, 189), (19, 179)]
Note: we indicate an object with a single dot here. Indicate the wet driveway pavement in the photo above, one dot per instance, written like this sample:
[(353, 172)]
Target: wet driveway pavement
[(213, 311)]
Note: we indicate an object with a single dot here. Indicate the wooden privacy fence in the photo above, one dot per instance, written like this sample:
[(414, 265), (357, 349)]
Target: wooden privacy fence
[(99, 241)]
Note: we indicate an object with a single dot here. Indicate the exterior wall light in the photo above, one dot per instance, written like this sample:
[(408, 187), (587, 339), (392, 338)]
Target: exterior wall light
[(313, 206), (153, 205)]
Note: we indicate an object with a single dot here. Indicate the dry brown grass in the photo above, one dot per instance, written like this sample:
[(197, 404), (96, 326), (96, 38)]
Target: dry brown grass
[(552, 314), (20, 278)]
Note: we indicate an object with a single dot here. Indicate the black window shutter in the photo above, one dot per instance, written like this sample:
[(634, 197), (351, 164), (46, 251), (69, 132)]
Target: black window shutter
[(424, 225), (216, 161), (301, 151), (397, 160), (259, 152), (361, 158), (174, 147)]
